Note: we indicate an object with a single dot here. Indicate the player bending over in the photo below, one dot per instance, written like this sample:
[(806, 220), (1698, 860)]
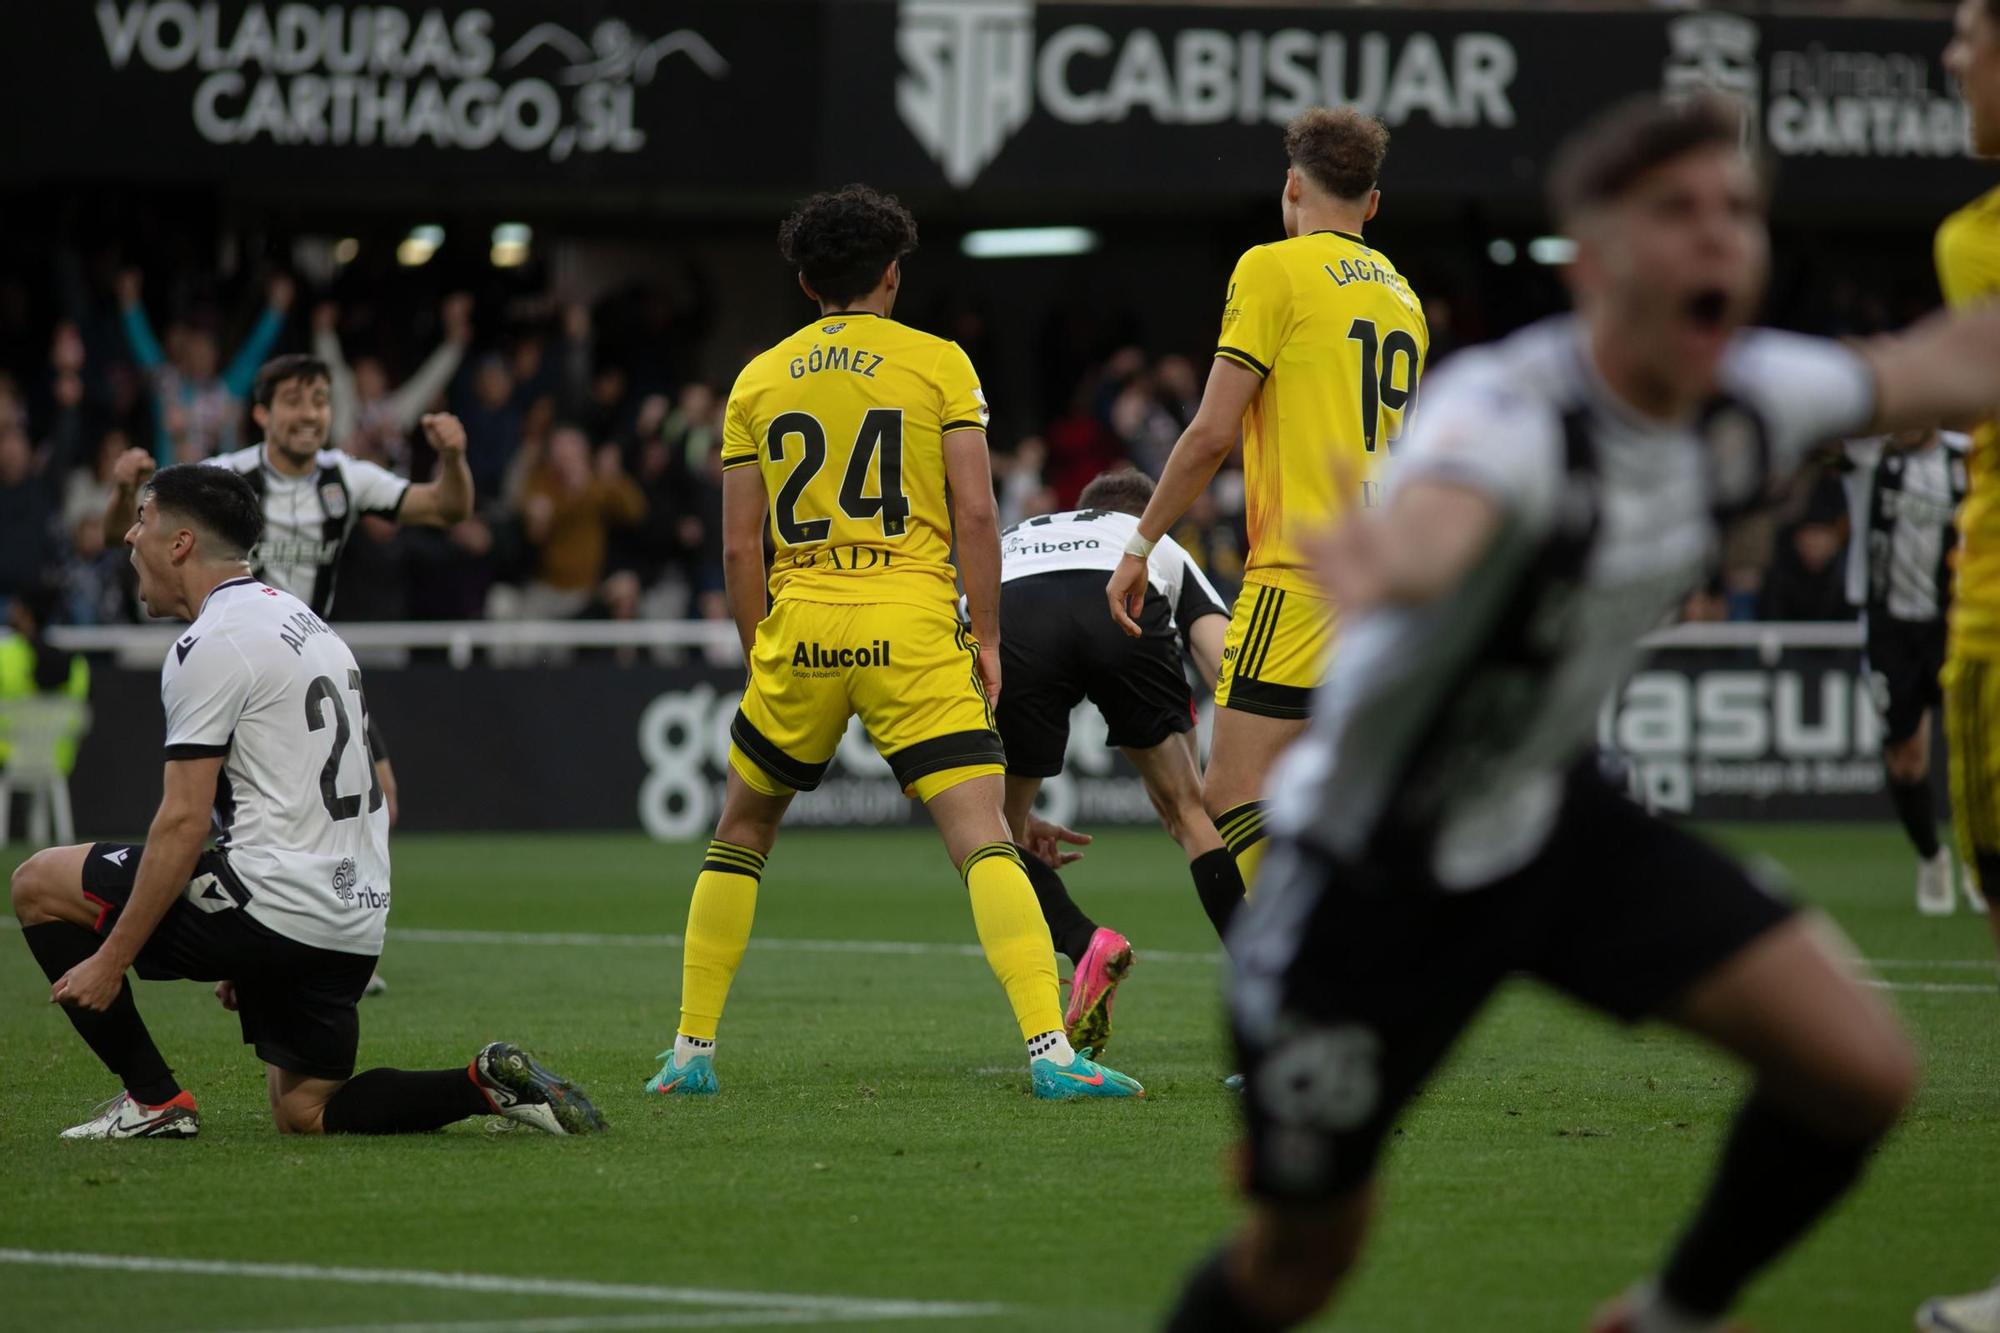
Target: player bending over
[(861, 443), (265, 726), (1058, 649), (1321, 348), (1442, 826)]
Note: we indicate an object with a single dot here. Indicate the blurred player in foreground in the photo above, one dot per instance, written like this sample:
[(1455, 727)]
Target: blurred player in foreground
[(861, 444), (1058, 649), (1317, 365), (1443, 826), (286, 912), (1968, 262)]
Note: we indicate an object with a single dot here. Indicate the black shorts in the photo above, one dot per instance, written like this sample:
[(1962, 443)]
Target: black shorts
[(299, 1005), (1904, 659), (1060, 646), (1352, 986)]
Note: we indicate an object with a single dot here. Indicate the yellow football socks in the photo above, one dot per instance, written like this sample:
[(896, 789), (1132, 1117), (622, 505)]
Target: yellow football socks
[(1242, 830), (1014, 936), (718, 929)]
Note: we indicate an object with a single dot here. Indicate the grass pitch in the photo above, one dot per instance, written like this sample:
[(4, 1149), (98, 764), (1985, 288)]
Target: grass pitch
[(875, 1142)]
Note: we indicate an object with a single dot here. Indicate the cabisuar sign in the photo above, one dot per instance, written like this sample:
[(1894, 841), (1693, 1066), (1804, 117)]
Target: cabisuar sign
[(1116, 101)]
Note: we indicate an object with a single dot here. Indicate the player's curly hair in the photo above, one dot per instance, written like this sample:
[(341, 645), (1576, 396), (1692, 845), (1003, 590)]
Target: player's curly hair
[(841, 240), (1339, 149)]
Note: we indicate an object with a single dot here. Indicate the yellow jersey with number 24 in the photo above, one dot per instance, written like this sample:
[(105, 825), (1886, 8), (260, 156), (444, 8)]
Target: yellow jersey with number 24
[(1339, 340), (846, 419)]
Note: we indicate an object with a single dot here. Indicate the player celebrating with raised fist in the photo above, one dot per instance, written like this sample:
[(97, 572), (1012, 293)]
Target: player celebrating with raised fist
[(313, 495)]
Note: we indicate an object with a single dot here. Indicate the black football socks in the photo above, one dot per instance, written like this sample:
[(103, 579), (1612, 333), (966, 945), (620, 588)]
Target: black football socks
[(1219, 884), (403, 1101), (1068, 926), (118, 1035), (1776, 1177), (1919, 815)]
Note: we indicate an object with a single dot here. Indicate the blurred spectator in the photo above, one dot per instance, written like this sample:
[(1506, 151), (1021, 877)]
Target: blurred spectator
[(568, 509), (198, 412), (1080, 446), (1023, 493), (1807, 578), (371, 420), (30, 515), (493, 413), (96, 580), (30, 666)]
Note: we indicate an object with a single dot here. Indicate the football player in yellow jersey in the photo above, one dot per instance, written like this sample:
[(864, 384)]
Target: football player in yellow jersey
[(1968, 264), (861, 444), (1317, 366)]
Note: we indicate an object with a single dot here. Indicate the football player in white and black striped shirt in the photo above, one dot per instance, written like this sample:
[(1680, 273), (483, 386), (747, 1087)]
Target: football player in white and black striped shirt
[(313, 495), (1903, 495)]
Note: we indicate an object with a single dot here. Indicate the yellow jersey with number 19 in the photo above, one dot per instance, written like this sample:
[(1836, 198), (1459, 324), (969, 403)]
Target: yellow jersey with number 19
[(1339, 340), (846, 419), (1968, 264)]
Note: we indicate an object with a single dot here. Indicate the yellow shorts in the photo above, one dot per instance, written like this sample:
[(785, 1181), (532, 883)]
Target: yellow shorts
[(1276, 651), (911, 673), (1971, 714)]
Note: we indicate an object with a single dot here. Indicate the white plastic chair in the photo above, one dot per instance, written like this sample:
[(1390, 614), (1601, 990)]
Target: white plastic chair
[(33, 728)]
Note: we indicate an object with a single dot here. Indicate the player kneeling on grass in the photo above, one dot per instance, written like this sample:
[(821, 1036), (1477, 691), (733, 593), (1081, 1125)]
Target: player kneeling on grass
[(1441, 827), (286, 911)]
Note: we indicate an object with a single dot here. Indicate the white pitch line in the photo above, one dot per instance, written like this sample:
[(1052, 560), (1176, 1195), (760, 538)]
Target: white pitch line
[(587, 939), (836, 1307), (917, 948), (597, 1323)]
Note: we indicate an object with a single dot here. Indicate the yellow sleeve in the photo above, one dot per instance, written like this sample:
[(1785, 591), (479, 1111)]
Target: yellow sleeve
[(962, 403), (739, 446), (1256, 312), (1968, 256)]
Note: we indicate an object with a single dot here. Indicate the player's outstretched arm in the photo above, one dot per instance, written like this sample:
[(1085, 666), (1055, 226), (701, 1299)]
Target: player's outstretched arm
[(976, 524), (745, 510), (1943, 370), (172, 846), (1202, 447), (446, 498)]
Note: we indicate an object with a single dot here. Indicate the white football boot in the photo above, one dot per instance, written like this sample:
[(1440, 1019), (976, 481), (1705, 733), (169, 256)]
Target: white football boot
[(1935, 894), (1977, 1313), (123, 1117), (1968, 880)]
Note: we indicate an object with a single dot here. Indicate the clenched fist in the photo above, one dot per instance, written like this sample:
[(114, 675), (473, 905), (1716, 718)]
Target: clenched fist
[(445, 432)]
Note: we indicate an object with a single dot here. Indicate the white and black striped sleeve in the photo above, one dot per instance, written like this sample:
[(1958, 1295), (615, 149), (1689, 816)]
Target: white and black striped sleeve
[(373, 488)]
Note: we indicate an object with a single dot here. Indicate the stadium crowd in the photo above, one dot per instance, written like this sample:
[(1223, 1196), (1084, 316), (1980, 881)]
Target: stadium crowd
[(594, 438)]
